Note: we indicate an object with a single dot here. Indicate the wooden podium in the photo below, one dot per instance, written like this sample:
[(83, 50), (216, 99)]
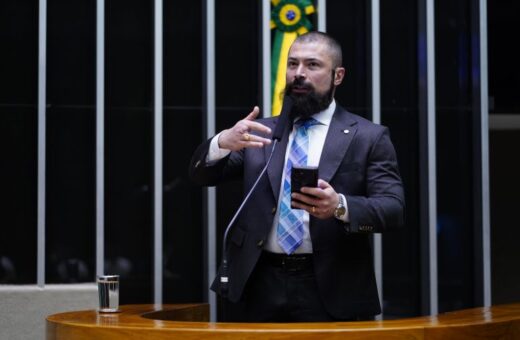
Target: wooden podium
[(190, 321)]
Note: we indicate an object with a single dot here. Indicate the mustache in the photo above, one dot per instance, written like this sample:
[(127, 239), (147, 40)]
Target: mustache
[(300, 84)]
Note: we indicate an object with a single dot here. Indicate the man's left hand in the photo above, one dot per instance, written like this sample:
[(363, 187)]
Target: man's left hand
[(319, 202)]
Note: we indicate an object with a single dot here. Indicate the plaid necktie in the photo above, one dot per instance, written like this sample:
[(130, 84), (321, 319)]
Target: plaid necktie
[(290, 223)]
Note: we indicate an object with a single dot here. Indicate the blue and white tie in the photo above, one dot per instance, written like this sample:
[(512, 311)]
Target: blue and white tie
[(290, 223)]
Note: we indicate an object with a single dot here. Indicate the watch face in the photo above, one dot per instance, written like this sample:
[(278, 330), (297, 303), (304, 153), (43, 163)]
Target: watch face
[(339, 212)]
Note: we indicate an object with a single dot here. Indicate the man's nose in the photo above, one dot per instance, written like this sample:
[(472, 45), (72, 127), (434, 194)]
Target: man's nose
[(300, 72)]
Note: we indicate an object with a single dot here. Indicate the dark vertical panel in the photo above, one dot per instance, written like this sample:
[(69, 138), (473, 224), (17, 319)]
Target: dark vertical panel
[(504, 75), (128, 149), (505, 186), (183, 130), (349, 23), (237, 37), (237, 82), (70, 171), (18, 139), (455, 173), (399, 111), (504, 87)]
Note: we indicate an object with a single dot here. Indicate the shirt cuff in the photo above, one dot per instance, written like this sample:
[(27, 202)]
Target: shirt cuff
[(215, 153)]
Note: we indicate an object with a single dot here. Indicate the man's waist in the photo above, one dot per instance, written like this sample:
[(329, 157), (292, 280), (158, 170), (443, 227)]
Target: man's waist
[(292, 262)]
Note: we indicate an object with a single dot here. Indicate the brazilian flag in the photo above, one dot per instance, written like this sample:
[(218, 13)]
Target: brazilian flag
[(289, 20)]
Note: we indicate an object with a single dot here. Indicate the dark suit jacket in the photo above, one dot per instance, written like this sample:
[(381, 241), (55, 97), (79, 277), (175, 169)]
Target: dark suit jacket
[(358, 160)]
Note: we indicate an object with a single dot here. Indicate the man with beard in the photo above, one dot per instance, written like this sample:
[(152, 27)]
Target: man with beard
[(311, 262)]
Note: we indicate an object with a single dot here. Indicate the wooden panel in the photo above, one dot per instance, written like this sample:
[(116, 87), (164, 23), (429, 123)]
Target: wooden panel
[(189, 321)]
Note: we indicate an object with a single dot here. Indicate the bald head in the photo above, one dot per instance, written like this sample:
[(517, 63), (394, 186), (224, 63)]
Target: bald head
[(333, 47)]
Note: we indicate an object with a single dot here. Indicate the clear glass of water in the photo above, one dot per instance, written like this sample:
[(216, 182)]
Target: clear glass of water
[(108, 291)]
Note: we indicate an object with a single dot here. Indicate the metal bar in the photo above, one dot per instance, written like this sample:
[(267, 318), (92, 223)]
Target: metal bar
[(42, 100), (484, 109), (266, 58), (210, 193), (427, 158), (432, 161), (100, 136), (376, 62), (376, 118), (158, 152), (322, 15)]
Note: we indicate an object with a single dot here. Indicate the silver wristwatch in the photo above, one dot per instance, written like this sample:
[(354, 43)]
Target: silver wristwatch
[(341, 209)]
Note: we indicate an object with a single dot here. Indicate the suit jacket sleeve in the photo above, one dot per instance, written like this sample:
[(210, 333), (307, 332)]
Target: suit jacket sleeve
[(210, 174), (382, 207)]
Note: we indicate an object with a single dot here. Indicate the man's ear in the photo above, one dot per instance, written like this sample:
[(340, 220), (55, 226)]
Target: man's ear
[(339, 74)]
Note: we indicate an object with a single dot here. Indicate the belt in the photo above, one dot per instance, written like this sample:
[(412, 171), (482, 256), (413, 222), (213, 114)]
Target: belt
[(294, 262)]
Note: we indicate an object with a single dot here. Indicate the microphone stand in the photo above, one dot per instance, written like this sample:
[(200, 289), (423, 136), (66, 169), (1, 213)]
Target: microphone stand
[(224, 279), (276, 137)]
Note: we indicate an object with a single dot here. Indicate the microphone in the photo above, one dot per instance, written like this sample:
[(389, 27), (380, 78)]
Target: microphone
[(284, 118), (276, 137)]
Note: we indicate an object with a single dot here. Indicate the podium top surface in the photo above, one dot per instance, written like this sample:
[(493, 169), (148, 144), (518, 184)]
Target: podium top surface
[(191, 321)]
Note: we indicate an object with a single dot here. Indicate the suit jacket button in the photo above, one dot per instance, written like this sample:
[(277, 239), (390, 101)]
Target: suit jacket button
[(273, 211), (197, 164), (260, 243)]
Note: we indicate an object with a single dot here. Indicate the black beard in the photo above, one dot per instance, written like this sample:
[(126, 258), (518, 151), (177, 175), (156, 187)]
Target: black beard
[(305, 105)]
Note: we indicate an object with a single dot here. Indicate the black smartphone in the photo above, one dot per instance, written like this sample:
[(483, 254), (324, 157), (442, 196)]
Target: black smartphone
[(303, 176)]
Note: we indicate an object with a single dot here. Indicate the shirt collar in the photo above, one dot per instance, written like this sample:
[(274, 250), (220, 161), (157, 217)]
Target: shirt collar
[(324, 117)]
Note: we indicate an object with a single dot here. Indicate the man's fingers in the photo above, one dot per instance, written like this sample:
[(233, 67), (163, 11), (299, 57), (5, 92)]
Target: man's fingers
[(255, 126), (320, 201), (260, 140), (319, 191), (240, 136), (323, 184), (308, 200), (253, 114), (252, 145), (311, 209), (251, 125), (316, 192), (249, 140)]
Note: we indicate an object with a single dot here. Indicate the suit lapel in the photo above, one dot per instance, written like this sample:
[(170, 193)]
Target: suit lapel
[(341, 132)]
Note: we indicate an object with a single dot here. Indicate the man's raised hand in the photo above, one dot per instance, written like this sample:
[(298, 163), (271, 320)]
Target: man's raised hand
[(240, 136)]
